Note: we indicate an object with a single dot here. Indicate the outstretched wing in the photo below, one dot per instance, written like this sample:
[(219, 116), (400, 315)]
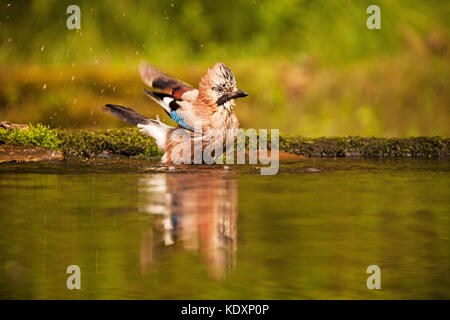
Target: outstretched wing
[(175, 96), (164, 83), (181, 111)]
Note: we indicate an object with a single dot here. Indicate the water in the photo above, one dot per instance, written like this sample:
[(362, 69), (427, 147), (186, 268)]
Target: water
[(139, 230)]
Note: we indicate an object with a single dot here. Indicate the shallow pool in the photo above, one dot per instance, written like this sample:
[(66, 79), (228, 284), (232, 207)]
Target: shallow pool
[(140, 230)]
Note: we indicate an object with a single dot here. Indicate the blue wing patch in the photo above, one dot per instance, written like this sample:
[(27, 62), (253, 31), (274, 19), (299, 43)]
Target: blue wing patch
[(179, 120)]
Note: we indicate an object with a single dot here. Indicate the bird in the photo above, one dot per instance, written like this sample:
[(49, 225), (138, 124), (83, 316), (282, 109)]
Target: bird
[(205, 116)]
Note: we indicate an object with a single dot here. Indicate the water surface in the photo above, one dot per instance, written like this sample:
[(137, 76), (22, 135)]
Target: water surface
[(141, 231)]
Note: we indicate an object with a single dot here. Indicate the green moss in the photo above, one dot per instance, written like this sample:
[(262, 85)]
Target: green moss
[(84, 143), (416, 147), (36, 135), (130, 142)]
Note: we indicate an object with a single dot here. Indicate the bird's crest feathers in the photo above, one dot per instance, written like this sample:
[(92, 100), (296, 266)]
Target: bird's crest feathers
[(218, 75)]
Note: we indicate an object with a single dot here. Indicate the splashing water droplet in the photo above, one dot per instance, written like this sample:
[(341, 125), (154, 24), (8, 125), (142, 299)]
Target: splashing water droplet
[(44, 86)]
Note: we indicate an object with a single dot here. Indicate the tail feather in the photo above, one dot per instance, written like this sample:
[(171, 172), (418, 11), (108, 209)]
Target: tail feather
[(126, 114), (154, 128)]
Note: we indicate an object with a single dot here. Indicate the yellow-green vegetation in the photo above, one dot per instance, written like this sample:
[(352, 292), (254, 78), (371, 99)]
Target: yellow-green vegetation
[(130, 142), (416, 147), (83, 143), (36, 135), (175, 32)]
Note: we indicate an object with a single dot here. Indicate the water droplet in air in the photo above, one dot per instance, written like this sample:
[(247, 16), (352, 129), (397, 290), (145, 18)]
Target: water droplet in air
[(44, 86)]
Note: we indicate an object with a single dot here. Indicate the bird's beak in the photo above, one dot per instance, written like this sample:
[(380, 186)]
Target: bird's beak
[(238, 94)]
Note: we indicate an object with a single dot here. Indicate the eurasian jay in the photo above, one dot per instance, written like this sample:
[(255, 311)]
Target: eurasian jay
[(204, 115)]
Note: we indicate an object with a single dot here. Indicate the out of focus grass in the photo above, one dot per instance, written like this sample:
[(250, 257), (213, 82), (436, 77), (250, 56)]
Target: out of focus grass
[(311, 67)]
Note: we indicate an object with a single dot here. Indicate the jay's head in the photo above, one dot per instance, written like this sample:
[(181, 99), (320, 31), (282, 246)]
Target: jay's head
[(218, 86)]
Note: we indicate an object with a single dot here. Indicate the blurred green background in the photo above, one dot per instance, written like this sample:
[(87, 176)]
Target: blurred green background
[(311, 67)]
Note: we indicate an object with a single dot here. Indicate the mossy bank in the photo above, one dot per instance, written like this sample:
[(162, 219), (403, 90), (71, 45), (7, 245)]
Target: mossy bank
[(130, 142)]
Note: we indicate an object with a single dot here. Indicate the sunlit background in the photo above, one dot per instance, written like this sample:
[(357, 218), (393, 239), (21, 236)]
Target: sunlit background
[(311, 67)]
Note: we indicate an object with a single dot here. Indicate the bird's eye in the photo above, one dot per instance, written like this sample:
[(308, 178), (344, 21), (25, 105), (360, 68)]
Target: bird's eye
[(220, 89)]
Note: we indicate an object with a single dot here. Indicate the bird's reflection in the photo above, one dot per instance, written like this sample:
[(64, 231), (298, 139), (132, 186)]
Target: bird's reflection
[(194, 212)]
